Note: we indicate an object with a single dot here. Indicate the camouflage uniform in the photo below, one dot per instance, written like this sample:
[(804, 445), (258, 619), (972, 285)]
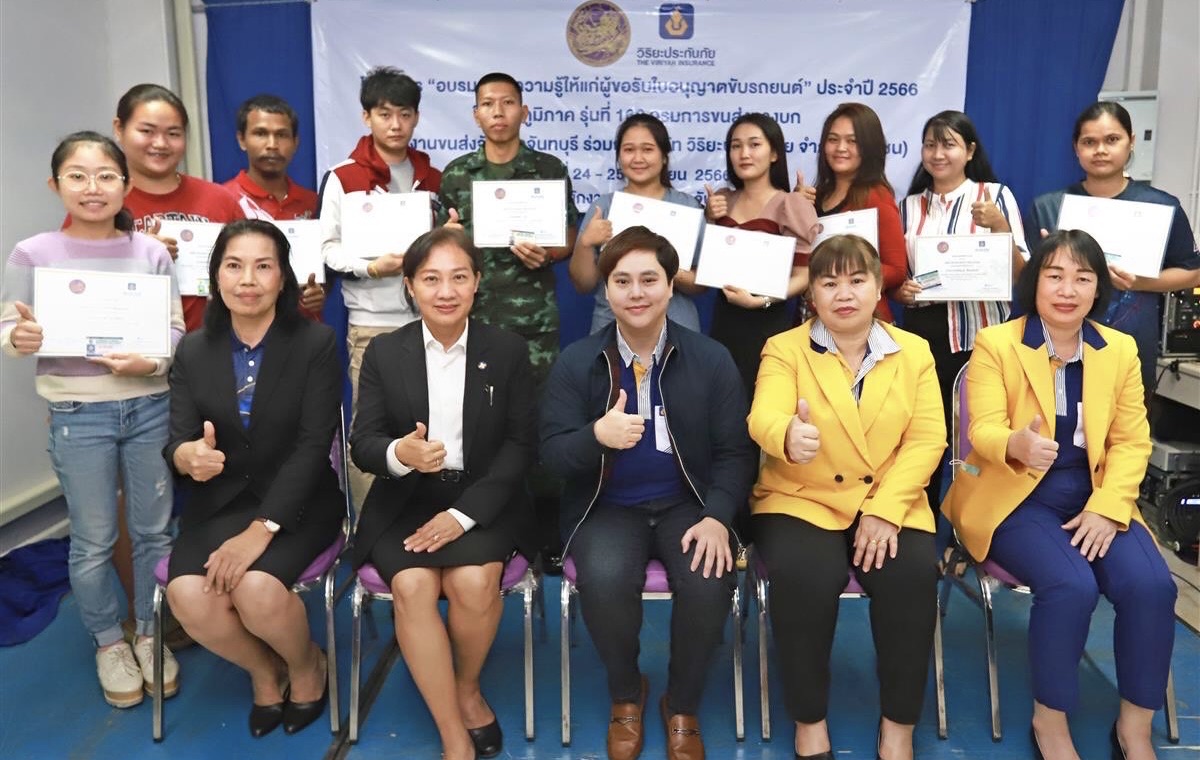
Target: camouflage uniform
[(511, 296)]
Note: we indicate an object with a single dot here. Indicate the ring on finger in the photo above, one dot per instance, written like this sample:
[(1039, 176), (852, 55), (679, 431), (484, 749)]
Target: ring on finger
[(436, 536)]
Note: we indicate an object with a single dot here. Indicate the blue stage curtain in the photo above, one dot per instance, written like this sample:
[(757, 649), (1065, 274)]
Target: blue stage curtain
[(1032, 66)]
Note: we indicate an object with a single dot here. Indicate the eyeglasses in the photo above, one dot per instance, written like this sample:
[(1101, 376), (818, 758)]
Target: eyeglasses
[(105, 180)]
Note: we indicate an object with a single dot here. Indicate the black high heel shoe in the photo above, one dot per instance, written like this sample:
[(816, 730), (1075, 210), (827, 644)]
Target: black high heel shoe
[(297, 715), (488, 740), (1118, 752), (266, 718)]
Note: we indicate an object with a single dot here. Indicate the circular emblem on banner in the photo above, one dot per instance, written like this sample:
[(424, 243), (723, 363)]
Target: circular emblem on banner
[(367, 207), (186, 236), (598, 33), (500, 193), (943, 247), (729, 239), (77, 286)]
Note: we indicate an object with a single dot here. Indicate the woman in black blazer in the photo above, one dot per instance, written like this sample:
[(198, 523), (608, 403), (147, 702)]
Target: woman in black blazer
[(445, 421), (255, 398)]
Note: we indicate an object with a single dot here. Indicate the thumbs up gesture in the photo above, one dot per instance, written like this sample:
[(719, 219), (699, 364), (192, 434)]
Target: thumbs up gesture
[(414, 451), (452, 220), (1030, 448), (987, 214), (598, 231), (26, 336), (803, 440), (312, 295), (807, 191), (618, 430), (201, 460), (171, 243), (716, 205)]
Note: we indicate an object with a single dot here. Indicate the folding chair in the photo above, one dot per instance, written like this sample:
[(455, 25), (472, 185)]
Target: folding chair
[(655, 588)]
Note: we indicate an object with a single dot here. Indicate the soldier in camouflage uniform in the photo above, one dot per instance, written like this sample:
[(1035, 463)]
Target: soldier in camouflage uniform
[(517, 288)]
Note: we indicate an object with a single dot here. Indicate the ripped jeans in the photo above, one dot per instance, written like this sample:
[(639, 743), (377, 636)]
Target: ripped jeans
[(89, 441)]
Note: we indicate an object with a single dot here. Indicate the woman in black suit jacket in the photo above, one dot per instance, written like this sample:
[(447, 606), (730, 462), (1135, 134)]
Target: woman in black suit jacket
[(255, 398), (445, 421)]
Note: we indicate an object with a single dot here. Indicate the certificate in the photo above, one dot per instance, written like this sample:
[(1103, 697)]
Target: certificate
[(964, 267), (679, 224), (304, 236), (1133, 235), (753, 261), (86, 313), (377, 223), (507, 211), (864, 223), (195, 241)]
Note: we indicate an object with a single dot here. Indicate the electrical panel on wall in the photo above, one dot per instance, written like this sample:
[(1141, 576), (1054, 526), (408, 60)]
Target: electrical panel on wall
[(1142, 106)]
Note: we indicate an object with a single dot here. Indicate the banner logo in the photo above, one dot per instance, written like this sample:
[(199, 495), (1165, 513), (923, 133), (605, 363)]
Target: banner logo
[(676, 21), (598, 33)]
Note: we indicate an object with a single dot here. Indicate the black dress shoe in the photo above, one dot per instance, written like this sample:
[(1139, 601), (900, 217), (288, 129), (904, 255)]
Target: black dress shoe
[(297, 715), (265, 718), (487, 739), (1118, 752)]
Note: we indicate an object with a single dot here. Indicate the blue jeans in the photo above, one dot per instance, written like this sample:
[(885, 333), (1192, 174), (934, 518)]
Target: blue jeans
[(96, 448)]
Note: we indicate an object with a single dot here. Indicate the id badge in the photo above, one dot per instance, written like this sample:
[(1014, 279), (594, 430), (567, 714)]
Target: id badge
[(662, 439)]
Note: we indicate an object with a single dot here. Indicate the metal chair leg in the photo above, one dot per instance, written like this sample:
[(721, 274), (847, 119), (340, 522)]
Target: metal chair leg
[(739, 707), (764, 684), (939, 675), (539, 609), (565, 660), (986, 585), (1169, 709), (528, 597), (356, 603), (159, 656), (331, 650)]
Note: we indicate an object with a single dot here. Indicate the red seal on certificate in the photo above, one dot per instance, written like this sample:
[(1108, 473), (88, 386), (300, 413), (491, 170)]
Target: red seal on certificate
[(943, 246), (186, 235), (500, 193), (367, 207), (77, 286)]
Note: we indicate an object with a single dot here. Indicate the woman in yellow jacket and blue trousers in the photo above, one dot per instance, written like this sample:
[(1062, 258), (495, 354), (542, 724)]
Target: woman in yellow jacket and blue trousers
[(848, 414), (1059, 448)]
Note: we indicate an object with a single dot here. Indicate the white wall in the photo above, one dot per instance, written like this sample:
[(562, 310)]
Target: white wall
[(63, 64)]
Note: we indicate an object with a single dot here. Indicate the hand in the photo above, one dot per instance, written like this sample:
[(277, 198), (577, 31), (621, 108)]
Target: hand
[(532, 255), (452, 220), (441, 529), (229, 562), (618, 430), (712, 547), (201, 460), (988, 214), (414, 451), (1121, 279), (716, 205), (874, 541), (1093, 533), (312, 296), (1045, 233), (387, 265), (1028, 447), (907, 292), (742, 298), (126, 365), (598, 231), (808, 192), (803, 439), (26, 336), (171, 243)]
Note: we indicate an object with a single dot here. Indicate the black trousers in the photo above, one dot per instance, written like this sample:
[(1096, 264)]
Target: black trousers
[(611, 549), (808, 568)]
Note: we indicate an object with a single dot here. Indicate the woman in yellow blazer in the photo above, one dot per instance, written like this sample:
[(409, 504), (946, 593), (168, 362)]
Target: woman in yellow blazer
[(1059, 448), (848, 413)]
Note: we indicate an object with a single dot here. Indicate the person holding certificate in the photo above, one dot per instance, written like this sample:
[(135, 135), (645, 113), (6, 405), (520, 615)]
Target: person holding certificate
[(851, 177), (108, 414), (954, 192), (446, 423), (264, 497), (847, 413), (1103, 141), (756, 166), (643, 155), (1060, 444)]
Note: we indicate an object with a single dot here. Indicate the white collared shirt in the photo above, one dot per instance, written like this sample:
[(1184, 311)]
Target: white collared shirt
[(445, 375), (879, 345), (645, 408)]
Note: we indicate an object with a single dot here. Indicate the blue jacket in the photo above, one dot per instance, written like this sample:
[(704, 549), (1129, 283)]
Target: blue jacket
[(705, 406)]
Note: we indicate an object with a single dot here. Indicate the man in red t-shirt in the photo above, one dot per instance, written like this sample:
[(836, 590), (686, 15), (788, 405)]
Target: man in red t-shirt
[(268, 131)]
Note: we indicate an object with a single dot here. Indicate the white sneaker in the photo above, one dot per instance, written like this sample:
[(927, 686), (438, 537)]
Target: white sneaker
[(120, 676), (144, 649)]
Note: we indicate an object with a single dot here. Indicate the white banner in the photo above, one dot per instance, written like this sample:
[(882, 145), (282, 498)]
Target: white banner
[(697, 66)]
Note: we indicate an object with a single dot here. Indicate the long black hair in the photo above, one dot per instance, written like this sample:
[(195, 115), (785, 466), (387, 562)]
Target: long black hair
[(872, 154), (123, 221), (778, 173), (939, 126), (217, 320)]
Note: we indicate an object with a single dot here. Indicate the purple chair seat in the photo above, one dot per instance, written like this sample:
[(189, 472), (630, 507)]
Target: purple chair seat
[(760, 570), (320, 564), (514, 571), (656, 576), (994, 569)]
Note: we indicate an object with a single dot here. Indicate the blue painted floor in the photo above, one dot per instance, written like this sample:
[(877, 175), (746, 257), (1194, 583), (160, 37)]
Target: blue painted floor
[(51, 707)]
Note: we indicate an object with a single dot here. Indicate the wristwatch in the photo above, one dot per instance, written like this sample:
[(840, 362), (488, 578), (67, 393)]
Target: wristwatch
[(767, 302), (271, 526)]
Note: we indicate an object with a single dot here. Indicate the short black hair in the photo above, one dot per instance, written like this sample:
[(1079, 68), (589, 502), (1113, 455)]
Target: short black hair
[(287, 307), (148, 93), (499, 76), (267, 103), (638, 238), (387, 84), (420, 249), (1086, 252), (123, 221)]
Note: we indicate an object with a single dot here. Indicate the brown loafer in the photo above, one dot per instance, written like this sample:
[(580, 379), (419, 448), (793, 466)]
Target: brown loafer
[(626, 731), (683, 735)]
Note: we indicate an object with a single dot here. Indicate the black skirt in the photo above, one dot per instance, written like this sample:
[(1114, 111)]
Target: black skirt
[(288, 554), (478, 546)]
